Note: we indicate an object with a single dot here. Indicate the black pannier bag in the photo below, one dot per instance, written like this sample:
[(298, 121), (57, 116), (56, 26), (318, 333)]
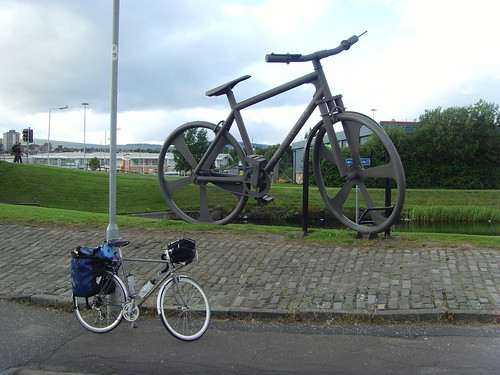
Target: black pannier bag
[(182, 251), (87, 269)]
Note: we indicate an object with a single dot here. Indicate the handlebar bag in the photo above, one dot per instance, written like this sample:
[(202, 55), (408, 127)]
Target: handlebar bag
[(87, 269), (182, 251)]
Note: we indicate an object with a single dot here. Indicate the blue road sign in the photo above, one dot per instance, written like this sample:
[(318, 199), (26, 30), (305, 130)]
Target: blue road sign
[(364, 161)]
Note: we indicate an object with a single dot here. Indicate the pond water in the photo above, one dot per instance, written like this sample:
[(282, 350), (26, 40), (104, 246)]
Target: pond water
[(488, 229), (482, 228)]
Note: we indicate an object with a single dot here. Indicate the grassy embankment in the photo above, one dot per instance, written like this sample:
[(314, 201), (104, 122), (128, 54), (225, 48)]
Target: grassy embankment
[(81, 198)]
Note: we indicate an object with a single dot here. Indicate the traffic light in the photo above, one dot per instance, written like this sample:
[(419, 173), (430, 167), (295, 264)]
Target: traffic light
[(28, 135)]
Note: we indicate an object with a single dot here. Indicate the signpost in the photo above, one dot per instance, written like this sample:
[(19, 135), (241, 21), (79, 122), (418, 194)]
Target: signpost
[(126, 159), (364, 162)]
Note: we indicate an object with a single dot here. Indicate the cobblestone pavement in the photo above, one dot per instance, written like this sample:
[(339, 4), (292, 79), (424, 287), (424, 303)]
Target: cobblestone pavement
[(266, 274)]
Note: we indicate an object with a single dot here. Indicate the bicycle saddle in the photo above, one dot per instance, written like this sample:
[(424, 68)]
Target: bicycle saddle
[(222, 89)]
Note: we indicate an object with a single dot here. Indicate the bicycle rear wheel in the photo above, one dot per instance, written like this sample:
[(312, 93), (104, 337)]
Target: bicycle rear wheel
[(102, 312), (184, 309), (368, 170), (218, 185)]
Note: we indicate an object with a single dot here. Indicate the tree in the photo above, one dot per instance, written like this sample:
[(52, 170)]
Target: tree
[(234, 155), (460, 145), (457, 147), (94, 164), (197, 142)]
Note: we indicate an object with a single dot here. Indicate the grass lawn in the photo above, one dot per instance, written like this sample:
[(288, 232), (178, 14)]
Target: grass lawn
[(32, 216), (88, 191)]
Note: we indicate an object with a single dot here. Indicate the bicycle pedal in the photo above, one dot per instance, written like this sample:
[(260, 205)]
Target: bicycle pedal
[(266, 199)]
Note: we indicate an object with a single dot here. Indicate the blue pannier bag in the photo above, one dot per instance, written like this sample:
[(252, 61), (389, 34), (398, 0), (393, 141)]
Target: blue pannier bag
[(87, 269)]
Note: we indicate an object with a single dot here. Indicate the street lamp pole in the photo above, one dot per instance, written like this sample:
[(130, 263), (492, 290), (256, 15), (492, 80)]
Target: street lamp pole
[(48, 134), (85, 104), (112, 232)]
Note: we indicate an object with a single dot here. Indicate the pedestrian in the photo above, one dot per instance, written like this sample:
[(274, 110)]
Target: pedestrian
[(17, 153)]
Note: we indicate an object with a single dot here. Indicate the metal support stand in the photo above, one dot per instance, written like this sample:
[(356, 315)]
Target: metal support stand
[(388, 211), (305, 180)]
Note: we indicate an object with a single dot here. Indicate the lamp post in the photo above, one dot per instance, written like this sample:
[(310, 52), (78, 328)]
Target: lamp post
[(112, 232), (85, 104), (48, 134)]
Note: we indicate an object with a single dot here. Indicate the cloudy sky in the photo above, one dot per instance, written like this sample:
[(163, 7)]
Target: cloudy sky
[(417, 55)]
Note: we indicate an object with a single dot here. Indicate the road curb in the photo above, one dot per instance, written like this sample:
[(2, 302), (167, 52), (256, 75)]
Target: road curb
[(27, 371), (317, 316)]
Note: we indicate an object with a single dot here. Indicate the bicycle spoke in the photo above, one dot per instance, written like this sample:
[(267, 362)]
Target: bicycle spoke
[(339, 200), (380, 171), (180, 144), (205, 215), (352, 133), (178, 184), (326, 154)]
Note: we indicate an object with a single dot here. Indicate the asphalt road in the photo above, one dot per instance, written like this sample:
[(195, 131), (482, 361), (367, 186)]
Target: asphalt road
[(35, 339)]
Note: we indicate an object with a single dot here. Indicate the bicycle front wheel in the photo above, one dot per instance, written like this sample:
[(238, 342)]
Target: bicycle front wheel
[(370, 166), (102, 312), (184, 309)]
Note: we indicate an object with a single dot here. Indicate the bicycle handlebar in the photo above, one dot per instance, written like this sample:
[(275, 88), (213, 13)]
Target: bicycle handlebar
[(288, 58)]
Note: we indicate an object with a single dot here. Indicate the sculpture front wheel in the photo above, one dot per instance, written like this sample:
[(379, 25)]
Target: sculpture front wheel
[(217, 184), (368, 180)]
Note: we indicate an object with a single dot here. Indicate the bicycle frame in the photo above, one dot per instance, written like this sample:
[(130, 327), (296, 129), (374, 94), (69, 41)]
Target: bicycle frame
[(170, 273), (322, 99)]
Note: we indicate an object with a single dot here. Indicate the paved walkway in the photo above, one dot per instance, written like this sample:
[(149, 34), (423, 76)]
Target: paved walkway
[(271, 275)]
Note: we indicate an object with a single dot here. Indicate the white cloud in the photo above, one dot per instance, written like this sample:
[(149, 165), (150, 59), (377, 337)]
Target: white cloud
[(278, 15), (417, 55)]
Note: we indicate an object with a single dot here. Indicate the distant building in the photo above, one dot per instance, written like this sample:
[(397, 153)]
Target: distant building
[(136, 162), (127, 162), (9, 139)]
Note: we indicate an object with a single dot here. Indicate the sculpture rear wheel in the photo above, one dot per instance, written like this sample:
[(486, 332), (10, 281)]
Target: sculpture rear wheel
[(370, 179), (218, 185)]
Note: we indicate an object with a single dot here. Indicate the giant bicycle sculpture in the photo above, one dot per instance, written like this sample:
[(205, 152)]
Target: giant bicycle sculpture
[(223, 191)]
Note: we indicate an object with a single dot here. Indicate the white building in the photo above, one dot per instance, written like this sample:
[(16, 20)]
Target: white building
[(137, 162)]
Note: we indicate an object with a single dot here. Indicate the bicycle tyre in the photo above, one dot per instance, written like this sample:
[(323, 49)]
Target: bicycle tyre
[(184, 308), (219, 199), (104, 311), (360, 175)]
